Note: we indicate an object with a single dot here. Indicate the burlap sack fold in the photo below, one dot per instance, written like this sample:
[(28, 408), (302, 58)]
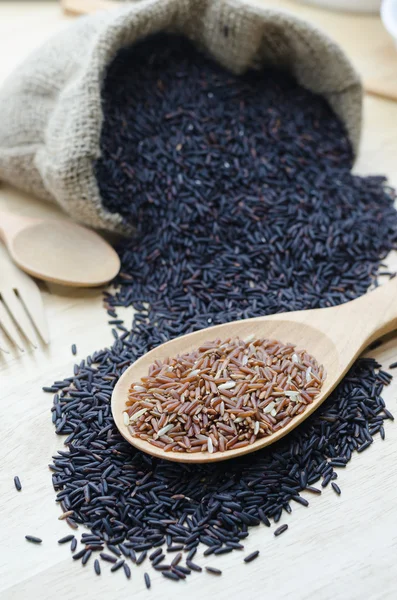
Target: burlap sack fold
[(50, 107)]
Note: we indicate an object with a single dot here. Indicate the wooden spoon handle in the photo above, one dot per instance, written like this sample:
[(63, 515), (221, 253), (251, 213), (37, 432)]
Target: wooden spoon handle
[(85, 7), (381, 89), (354, 325), (377, 310), (11, 224)]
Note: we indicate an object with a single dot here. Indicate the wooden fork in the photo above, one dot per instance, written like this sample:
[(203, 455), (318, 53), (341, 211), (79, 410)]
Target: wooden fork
[(21, 306)]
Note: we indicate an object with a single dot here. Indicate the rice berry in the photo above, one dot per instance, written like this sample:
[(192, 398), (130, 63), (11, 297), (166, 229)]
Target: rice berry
[(240, 191)]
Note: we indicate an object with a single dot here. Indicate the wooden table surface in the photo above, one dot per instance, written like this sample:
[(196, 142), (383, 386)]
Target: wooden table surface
[(340, 547)]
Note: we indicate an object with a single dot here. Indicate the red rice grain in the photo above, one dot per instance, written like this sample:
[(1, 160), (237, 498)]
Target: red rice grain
[(222, 396)]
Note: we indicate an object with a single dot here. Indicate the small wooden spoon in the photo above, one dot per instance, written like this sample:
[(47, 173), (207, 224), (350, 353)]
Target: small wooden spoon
[(334, 336), (58, 251)]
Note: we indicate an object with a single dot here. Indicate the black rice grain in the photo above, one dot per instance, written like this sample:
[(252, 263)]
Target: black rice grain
[(235, 545), (170, 575), (108, 557), (178, 572), (147, 581), (74, 349), (127, 570), (175, 548), (313, 490), (251, 556), (181, 569), (132, 555), (224, 550), (193, 566), (336, 488), (176, 560), (141, 557), (393, 365), (388, 414), (33, 539), (155, 554), (364, 446), (114, 549), (125, 551), (97, 567), (67, 538), (191, 554), (71, 522), (17, 483), (117, 565), (281, 530), (210, 551), (213, 570), (86, 557), (73, 544)]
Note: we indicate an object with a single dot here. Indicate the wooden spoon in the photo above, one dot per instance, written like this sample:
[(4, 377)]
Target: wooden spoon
[(58, 251), (334, 336)]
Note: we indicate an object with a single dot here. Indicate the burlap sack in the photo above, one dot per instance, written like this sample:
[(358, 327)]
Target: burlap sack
[(50, 107)]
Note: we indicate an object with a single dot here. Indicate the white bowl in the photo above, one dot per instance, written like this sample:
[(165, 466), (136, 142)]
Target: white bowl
[(388, 13), (363, 6)]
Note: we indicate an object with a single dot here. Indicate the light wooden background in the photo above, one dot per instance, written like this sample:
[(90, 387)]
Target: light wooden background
[(340, 547)]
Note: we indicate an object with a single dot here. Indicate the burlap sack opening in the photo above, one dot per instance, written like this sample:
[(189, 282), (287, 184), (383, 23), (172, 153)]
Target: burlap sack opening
[(50, 106)]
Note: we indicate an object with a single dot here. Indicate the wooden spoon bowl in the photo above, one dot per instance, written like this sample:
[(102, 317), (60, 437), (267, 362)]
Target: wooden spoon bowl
[(59, 251), (333, 336)]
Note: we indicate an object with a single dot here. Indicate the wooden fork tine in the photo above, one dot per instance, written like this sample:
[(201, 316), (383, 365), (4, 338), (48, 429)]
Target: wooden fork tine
[(30, 296), (9, 327), (15, 307), (21, 296), (4, 342)]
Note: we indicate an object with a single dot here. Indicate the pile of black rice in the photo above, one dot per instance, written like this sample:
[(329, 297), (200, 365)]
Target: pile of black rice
[(244, 204)]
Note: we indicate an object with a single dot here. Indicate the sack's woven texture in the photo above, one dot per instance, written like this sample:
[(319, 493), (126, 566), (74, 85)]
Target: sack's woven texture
[(50, 106)]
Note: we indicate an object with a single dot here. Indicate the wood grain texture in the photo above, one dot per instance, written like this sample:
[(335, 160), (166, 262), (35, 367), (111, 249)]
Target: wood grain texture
[(342, 548)]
